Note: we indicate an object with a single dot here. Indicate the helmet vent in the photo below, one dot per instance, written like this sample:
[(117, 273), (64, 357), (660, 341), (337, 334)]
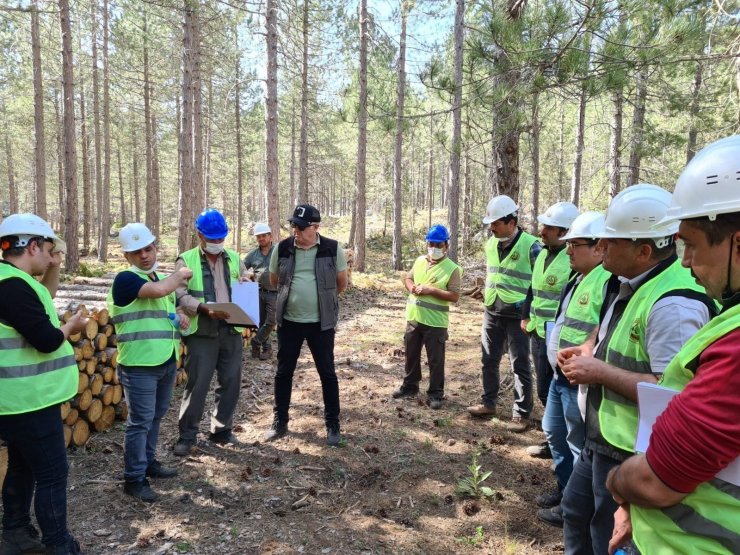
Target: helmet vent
[(712, 179)]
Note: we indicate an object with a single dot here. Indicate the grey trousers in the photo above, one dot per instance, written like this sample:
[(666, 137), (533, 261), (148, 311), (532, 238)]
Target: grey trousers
[(263, 337), (206, 354)]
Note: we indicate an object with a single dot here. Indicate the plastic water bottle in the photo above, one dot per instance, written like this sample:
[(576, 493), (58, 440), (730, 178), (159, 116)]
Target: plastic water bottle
[(627, 549), (175, 319)]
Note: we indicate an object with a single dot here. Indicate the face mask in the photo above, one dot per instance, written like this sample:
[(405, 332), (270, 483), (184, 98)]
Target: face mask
[(214, 248), (435, 253), (149, 271)]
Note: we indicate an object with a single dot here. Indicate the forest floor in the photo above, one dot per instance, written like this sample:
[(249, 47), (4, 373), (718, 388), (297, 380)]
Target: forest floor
[(389, 488)]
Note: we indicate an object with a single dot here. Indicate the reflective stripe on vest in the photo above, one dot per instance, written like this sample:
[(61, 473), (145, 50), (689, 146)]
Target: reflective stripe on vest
[(29, 379), (627, 349), (511, 277), (192, 259), (426, 309), (583, 310), (547, 283), (146, 336), (707, 520)]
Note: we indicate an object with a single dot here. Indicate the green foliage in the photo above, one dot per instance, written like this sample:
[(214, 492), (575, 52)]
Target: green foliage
[(474, 540), (472, 486)]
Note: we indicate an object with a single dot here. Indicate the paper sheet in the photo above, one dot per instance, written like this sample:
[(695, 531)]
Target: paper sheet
[(245, 308), (652, 400)]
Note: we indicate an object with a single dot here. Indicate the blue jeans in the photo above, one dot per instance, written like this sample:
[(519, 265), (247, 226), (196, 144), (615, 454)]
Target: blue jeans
[(563, 427), (148, 393), (37, 460), (495, 334), (542, 368), (588, 507)]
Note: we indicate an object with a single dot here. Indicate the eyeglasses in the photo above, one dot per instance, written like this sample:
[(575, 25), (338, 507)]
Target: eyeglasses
[(572, 245), (299, 227)]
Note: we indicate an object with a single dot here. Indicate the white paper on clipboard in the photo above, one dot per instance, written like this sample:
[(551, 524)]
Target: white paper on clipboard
[(244, 310)]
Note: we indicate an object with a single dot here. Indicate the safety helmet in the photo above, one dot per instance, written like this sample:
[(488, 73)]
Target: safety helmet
[(437, 234), (135, 236), (212, 224), (24, 227), (634, 213), (586, 226), (499, 207), (560, 214), (260, 229), (710, 184)]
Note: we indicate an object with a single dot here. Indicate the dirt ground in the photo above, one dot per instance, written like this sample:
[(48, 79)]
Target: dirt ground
[(389, 488)]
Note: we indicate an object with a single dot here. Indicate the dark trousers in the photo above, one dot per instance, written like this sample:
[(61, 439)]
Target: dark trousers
[(542, 367), (588, 507), (268, 300), (37, 460), (496, 333), (291, 336), (433, 340)]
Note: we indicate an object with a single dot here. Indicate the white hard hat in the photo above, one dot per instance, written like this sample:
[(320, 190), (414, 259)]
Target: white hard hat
[(135, 236), (499, 207), (586, 226), (560, 214), (710, 183), (261, 228), (25, 227), (634, 213)]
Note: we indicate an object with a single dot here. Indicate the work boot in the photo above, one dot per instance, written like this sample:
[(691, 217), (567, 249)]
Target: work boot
[(158, 470), (255, 351), (541, 451), (266, 354), (141, 490), (72, 547), (552, 516), (21, 540), (404, 391), (548, 500), (182, 447), (482, 410), (333, 437), (276, 431), (226, 437), (518, 424), (435, 403)]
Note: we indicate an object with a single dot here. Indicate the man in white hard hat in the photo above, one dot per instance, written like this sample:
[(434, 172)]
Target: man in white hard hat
[(38, 372), (511, 254), (141, 302), (658, 308), (681, 495), (257, 263), (551, 272), (576, 317)]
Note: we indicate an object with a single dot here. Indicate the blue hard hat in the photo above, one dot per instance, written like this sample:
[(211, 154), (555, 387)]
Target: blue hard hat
[(438, 233), (212, 224)]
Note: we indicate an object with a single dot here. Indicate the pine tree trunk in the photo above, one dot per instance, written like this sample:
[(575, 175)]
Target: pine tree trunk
[(303, 149), (271, 127), (120, 186), (615, 143), (38, 116), (105, 214), (694, 113), (89, 218), (361, 144), (453, 190), (60, 161), (200, 198), (575, 184), (293, 200), (430, 183), (239, 158), (186, 196), (638, 122), (135, 172), (12, 190), (97, 136), (397, 261), (535, 145), (150, 218)]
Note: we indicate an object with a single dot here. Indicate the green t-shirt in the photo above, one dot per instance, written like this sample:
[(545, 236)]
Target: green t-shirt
[(303, 297)]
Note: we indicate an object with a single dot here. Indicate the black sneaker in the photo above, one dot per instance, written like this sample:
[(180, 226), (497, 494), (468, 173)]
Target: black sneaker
[(547, 500), (140, 490), (276, 431), (21, 540), (333, 437), (435, 403), (552, 516), (158, 470), (404, 391), (182, 447), (226, 437), (541, 451)]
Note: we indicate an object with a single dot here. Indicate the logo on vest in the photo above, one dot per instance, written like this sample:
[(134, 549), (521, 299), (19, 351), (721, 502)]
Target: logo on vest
[(583, 299), (515, 256), (635, 331), (551, 280)]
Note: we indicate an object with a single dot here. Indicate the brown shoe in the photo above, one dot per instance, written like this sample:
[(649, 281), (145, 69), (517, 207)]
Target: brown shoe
[(482, 410), (518, 424), (266, 354), (255, 351)]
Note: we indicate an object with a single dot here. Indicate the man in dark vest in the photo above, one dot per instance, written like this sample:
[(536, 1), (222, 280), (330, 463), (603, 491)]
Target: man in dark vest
[(309, 272)]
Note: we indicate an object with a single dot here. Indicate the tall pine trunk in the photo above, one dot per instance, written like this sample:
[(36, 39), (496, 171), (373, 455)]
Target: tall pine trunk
[(105, 214), (396, 260), (38, 115), (453, 190), (361, 144), (638, 131), (303, 148), (271, 125)]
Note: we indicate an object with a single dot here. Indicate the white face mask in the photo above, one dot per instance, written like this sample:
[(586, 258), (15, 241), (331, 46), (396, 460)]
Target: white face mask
[(149, 271), (214, 248), (435, 253)]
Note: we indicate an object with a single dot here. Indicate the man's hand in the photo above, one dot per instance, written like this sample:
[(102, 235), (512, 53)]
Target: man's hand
[(564, 354), (524, 323), (218, 314), (622, 532), (182, 276), (419, 290), (583, 370), (184, 321), (56, 259), (76, 323)]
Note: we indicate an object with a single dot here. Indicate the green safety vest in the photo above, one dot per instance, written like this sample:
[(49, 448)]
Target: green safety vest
[(707, 520), (29, 379), (511, 277), (195, 284), (146, 335), (547, 283), (627, 349), (426, 309), (583, 310)]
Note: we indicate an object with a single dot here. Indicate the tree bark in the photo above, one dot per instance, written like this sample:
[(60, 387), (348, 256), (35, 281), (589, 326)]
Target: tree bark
[(120, 186), (200, 197), (186, 197), (72, 262), (303, 149), (105, 214), (430, 183), (12, 189), (361, 144), (575, 184), (271, 125), (453, 191), (239, 158), (638, 121), (97, 138), (60, 161), (535, 145), (38, 116), (87, 209), (150, 217), (293, 200), (694, 113), (615, 143), (135, 172), (396, 259)]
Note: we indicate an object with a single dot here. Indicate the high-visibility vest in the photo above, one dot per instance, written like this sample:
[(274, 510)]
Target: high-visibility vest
[(29, 379), (146, 335), (511, 277), (192, 259), (426, 309), (627, 349), (547, 283), (707, 520), (583, 310)]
